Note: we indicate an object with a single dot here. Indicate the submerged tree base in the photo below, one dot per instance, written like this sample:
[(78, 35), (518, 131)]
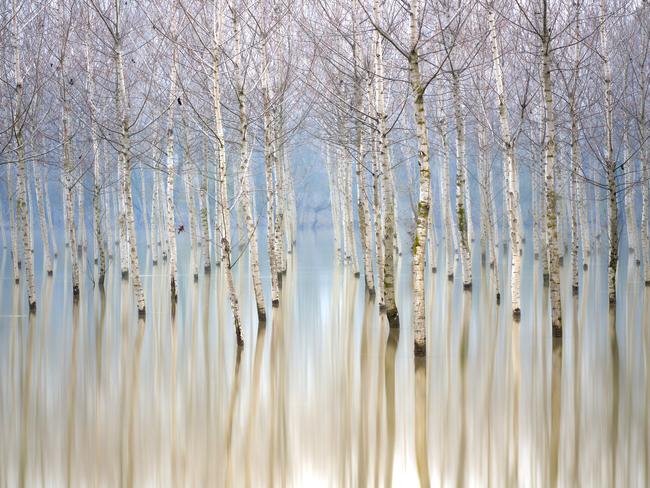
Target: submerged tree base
[(393, 319), (419, 349)]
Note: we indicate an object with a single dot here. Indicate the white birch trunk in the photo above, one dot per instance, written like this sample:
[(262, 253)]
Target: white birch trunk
[(424, 203), (171, 174), (375, 135), (269, 163), (22, 208), (365, 230), (13, 230), (42, 221), (462, 211), (512, 191), (630, 190), (124, 234), (191, 210), (206, 245), (389, 223), (610, 161), (222, 209), (125, 158), (50, 225), (551, 196), (244, 179)]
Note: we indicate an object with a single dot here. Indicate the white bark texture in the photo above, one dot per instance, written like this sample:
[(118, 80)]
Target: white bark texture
[(424, 202), (551, 196), (512, 191), (389, 223)]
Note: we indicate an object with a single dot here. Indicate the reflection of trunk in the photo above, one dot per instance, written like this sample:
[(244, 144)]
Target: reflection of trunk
[(25, 400), (72, 397), (135, 381), (255, 394), (556, 405), (613, 429), (424, 203), (391, 350), (462, 357), (421, 427), (231, 418)]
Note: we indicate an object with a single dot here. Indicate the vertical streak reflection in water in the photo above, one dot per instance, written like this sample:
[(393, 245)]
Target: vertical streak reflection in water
[(323, 396)]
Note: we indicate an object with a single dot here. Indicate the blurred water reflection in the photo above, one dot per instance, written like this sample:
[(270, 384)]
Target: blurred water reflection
[(326, 394)]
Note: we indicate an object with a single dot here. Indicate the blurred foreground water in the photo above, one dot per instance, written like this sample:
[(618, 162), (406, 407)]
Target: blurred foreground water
[(325, 394)]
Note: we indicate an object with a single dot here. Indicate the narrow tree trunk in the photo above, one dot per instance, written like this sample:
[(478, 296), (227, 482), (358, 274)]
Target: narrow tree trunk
[(462, 213), (206, 244), (42, 221), (365, 230), (50, 225), (630, 190), (171, 174), (13, 230), (124, 233), (68, 182), (222, 209), (244, 179), (610, 161), (125, 159), (424, 203), (375, 134), (512, 192), (191, 210), (100, 254), (551, 197), (269, 163), (389, 222)]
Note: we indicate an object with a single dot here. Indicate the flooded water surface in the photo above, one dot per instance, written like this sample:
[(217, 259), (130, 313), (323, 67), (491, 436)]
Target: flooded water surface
[(325, 394)]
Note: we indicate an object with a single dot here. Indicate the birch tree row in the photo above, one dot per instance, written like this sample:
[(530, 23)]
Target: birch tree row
[(452, 135)]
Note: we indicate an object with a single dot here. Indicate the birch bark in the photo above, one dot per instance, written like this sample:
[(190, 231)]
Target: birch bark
[(610, 161), (221, 208), (424, 203), (551, 197), (512, 192), (389, 222), (244, 177), (125, 158)]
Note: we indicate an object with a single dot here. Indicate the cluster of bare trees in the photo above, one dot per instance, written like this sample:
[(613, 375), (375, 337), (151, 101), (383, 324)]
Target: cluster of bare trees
[(537, 113), (544, 104)]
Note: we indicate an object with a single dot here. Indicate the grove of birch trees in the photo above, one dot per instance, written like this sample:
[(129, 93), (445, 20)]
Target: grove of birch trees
[(453, 137)]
